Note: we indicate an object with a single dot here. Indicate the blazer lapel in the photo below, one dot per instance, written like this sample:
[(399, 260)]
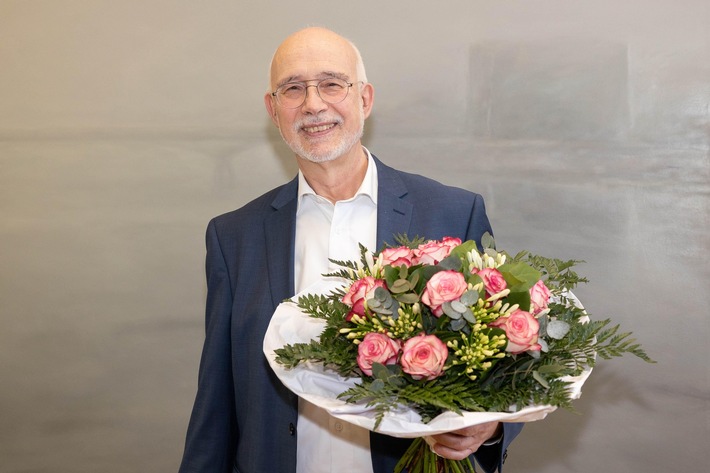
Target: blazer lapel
[(394, 213), (280, 233)]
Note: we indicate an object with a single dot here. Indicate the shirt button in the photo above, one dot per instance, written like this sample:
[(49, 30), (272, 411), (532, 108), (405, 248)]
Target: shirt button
[(338, 426), (291, 429)]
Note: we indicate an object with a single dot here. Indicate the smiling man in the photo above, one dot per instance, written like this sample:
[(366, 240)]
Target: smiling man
[(244, 420)]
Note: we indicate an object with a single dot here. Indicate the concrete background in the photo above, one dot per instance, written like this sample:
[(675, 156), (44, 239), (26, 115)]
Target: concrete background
[(125, 126)]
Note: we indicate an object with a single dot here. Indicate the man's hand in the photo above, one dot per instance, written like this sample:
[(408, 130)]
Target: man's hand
[(459, 444)]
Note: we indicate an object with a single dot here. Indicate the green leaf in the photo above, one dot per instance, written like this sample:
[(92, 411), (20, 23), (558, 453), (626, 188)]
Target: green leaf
[(538, 377), (551, 369), (522, 298), (465, 247), (520, 274)]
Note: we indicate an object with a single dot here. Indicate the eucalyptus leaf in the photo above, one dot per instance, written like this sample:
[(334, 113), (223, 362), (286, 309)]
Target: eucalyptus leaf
[(468, 315), (469, 298), (408, 298), (397, 381), (487, 241), (557, 329), (458, 307), (451, 262), (380, 371), (535, 354), (457, 324), (377, 385), (400, 285), (450, 311)]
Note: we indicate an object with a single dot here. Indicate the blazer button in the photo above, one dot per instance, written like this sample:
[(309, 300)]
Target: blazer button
[(291, 429)]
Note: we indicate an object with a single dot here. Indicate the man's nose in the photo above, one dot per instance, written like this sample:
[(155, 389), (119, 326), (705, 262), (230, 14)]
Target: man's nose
[(312, 103)]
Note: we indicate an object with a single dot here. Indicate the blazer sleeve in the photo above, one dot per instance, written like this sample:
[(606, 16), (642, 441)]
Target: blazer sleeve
[(491, 458), (478, 223), (211, 433)]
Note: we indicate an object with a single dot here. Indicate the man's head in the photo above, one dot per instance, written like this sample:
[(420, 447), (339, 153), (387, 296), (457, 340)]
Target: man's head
[(318, 130)]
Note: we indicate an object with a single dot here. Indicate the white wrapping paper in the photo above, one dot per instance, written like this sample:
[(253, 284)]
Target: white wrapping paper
[(321, 386)]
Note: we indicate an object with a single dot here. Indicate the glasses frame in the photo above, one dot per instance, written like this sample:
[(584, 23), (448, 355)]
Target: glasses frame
[(275, 93)]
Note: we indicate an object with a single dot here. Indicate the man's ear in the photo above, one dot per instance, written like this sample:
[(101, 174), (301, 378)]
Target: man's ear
[(367, 95), (269, 102)]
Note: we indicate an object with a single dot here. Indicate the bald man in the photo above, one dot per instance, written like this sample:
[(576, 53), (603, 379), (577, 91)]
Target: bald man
[(244, 420)]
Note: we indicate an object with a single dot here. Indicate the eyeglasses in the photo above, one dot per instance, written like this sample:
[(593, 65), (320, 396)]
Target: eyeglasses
[(330, 90)]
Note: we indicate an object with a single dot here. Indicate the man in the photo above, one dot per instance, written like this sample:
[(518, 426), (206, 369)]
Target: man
[(244, 420)]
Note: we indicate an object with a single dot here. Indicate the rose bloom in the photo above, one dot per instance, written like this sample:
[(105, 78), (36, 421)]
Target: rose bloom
[(539, 297), (376, 348), (360, 291), (423, 357), (444, 286), (521, 330), (433, 251), (492, 280), (397, 256)]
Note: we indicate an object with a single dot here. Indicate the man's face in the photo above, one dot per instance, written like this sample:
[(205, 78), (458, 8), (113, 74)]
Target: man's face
[(319, 131)]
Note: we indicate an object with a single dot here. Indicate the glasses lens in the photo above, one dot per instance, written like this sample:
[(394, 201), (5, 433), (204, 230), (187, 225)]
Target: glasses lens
[(333, 90), (293, 94)]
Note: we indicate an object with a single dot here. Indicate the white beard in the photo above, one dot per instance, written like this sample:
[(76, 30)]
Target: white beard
[(342, 147)]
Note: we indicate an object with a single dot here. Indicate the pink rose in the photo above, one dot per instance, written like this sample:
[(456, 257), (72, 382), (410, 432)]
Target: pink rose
[(432, 252), (492, 280), (521, 330), (376, 348), (444, 286), (397, 256), (423, 357), (539, 297), (360, 291)]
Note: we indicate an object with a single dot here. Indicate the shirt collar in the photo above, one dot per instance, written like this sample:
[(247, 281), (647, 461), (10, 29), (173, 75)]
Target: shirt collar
[(368, 187)]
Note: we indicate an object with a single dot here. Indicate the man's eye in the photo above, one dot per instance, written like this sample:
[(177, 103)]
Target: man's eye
[(292, 89), (331, 85)]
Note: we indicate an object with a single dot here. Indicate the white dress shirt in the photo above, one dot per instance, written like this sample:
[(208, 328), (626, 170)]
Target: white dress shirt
[(332, 231)]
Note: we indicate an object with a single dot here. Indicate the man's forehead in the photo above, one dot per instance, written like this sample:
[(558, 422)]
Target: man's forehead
[(303, 59)]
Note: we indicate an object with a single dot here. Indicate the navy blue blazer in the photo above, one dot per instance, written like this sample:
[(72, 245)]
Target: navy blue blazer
[(244, 420)]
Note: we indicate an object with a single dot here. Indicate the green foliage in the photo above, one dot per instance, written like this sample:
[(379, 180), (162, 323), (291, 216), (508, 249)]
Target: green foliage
[(556, 273), (479, 375)]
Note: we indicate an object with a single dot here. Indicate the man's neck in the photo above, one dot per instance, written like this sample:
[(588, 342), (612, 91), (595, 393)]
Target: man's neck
[(338, 179)]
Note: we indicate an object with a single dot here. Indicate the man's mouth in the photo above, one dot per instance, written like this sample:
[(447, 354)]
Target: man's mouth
[(318, 128)]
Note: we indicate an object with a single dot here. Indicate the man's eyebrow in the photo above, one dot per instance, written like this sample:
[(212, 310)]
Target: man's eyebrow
[(322, 75)]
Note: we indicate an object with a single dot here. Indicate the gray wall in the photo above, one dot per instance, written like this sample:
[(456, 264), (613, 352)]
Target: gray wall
[(125, 126)]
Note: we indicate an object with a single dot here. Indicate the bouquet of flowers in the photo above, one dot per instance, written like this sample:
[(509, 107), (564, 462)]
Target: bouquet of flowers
[(442, 328)]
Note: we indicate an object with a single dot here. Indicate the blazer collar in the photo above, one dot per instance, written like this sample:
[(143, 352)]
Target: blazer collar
[(280, 235)]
